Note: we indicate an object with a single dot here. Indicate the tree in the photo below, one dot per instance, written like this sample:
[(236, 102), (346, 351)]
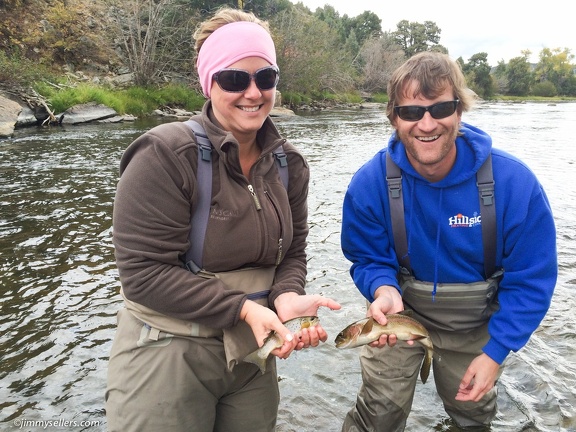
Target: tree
[(415, 37), (366, 25), (155, 35), (554, 67), (500, 77), (265, 9), (519, 75), (309, 54), (351, 31), (378, 58), (477, 72)]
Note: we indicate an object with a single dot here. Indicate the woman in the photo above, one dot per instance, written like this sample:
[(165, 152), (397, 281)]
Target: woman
[(176, 362)]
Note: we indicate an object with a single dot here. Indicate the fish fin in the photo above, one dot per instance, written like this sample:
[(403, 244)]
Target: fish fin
[(367, 328), (427, 362), (406, 312), (425, 370), (254, 358)]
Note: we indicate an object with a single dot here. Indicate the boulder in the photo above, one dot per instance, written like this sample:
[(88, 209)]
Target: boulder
[(85, 113), (26, 117), (281, 112), (9, 111)]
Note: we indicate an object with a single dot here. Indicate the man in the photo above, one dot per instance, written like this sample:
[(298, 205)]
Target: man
[(477, 305)]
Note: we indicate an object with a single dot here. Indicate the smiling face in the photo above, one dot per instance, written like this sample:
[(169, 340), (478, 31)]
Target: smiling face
[(430, 143), (243, 113)]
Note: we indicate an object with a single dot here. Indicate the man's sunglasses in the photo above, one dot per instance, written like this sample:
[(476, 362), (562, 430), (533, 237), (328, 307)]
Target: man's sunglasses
[(238, 80), (438, 111)]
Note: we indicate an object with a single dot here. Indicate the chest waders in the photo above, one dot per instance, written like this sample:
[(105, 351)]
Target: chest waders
[(239, 340), (454, 307)]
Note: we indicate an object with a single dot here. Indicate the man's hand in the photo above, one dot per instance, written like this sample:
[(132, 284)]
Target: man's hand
[(479, 379), (387, 300)]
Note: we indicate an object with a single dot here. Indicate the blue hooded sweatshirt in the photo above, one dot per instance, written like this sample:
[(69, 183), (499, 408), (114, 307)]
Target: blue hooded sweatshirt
[(445, 235)]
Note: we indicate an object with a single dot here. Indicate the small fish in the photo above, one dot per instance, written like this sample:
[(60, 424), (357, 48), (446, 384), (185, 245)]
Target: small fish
[(274, 341), (405, 328)]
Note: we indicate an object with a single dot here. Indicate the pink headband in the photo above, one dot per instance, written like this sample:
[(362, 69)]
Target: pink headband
[(229, 44)]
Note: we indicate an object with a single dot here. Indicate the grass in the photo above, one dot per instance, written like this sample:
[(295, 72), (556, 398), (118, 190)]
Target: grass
[(134, 100)]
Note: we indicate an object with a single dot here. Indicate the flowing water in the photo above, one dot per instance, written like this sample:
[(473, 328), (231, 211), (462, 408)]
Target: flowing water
[(59, 285)]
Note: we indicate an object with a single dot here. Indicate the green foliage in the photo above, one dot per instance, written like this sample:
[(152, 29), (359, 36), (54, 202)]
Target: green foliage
[(135, 100), (63, 99), (295, 99), (292, 98), (544, 88), (380, 98), (173, 95), (348, 97), (519, 76), (554, 66), (414, 37), (477, 73), (319, 53), (309, 55), (21, 71)]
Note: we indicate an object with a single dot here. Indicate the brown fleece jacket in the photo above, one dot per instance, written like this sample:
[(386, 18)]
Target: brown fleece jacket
[(151, 222)]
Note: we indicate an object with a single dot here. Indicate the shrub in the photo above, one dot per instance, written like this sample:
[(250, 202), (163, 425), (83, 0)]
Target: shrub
[(544, 88)]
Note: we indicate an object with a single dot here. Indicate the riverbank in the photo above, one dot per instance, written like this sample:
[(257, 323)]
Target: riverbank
[(111, 104), (114, 103)]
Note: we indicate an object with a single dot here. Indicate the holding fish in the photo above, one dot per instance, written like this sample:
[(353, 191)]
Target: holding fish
[(273, 341), (367, 330)]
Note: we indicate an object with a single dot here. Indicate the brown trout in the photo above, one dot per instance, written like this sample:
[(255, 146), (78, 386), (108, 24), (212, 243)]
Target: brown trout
[(274, 341), (405, 328)]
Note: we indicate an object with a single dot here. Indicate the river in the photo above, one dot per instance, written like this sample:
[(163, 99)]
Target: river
[(59, 284)]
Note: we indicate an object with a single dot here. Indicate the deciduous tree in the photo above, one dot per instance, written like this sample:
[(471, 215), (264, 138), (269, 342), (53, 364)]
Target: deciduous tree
[(519, 75), (378, 58), (415, 37)]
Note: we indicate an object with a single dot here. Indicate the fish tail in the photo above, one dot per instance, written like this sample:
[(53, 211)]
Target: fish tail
[(254, 358), (427, 362), (425, 370)]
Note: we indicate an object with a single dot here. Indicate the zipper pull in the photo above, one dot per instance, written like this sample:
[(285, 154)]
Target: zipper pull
[(254, 197), (280, 251)]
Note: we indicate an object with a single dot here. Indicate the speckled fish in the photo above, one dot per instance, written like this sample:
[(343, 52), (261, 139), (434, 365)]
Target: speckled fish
[(274, 341), (405, 328)]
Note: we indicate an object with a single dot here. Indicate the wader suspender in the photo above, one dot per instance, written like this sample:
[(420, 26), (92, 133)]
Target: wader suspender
[(485, 183), (201, 212)]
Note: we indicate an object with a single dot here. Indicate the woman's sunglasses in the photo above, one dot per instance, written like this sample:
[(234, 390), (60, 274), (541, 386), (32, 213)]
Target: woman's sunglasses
[(238, 80), (438, 111)]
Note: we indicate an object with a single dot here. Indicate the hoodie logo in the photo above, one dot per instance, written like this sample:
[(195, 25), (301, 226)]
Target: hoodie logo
[(461, 221)]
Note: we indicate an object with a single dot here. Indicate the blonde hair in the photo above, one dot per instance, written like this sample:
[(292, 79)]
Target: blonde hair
[(223, 16), (432, 72)]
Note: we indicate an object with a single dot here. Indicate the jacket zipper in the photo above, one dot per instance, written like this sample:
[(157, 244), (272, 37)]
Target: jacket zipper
[(279, 256), (254, 197), (280, 253)]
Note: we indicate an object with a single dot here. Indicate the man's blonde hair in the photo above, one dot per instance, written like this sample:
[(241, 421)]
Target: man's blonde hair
[(432, 72)]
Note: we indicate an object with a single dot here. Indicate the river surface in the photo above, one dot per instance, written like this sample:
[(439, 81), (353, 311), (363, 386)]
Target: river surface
[(59, 284)]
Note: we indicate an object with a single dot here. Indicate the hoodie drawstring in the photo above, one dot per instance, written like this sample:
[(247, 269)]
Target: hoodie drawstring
[(412, 187), (437, 249)]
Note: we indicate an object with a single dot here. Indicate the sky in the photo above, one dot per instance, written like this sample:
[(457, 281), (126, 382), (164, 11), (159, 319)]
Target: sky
[(500, 28)]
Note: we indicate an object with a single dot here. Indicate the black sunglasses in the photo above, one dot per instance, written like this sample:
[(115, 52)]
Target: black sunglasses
[(438, 111), (238, 80)]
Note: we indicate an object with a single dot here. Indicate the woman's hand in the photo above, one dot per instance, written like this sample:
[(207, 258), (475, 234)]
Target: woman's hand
[(291, 305), (262, 321)]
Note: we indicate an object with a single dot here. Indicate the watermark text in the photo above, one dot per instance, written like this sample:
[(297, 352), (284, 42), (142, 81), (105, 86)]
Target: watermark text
[(26, 424)]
